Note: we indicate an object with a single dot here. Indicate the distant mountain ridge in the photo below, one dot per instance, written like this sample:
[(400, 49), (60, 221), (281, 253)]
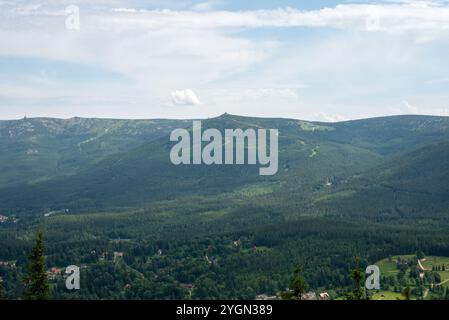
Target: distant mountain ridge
[(36, 149), (96, 164)]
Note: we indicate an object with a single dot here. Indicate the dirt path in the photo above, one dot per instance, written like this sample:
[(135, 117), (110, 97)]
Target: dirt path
[(421, 266), (443, 282), (424, 269)]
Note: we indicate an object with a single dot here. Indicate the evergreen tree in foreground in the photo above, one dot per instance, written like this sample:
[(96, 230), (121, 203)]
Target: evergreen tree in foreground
[(298, 286), (359, 292), (406, 293), (36, 282)]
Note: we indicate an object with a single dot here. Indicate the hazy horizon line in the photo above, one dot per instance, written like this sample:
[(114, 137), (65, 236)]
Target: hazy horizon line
[(226, 114)]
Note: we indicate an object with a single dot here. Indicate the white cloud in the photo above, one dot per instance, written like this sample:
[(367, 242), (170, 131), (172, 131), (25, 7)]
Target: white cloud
[(437, 108), (185, 97), (392, 18), (124, 10)]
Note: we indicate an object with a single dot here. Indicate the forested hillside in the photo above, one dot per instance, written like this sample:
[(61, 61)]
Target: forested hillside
[(109, 199)]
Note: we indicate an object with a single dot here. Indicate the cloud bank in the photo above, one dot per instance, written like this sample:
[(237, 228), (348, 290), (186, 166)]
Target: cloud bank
[(354, 60)]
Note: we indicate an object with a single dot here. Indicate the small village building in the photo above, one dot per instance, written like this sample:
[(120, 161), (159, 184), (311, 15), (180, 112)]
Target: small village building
[(324, 296)]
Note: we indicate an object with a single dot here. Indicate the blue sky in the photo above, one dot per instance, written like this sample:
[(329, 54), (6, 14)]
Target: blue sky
[(314, 60)]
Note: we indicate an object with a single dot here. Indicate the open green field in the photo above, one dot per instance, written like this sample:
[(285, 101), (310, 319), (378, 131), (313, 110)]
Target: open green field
[(388, 267), (429, 262), (432, 261), (387, 295)]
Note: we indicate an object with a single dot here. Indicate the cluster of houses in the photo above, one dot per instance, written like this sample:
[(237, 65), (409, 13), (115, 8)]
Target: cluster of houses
[(4, 219), (306, 296), (102, 256), (54, 273), (10, 264), (313, 296), (267, 297)]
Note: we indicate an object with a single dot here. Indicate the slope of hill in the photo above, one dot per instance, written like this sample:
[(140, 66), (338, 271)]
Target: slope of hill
[(144, 173), (38, 149), (126, 163), (410, 185), (392, 135)]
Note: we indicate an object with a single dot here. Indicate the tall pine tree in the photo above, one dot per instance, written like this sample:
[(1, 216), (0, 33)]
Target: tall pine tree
[(407, 292), (359, 292), (36, 282), (298, 286)]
